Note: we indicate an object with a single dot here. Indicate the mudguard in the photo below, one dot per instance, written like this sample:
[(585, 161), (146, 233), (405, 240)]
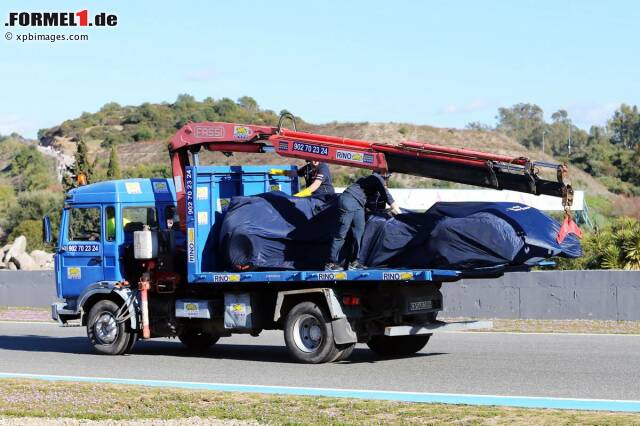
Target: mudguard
[(109, 287), (342, 331)]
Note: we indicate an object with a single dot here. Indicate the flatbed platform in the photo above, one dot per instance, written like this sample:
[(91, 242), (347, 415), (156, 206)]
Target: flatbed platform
[(378, 274)]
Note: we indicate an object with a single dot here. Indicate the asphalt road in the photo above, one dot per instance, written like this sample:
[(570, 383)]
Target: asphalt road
[(551, 365)]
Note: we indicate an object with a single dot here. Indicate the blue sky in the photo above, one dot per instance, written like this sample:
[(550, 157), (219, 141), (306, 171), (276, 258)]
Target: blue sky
[(425, 62)]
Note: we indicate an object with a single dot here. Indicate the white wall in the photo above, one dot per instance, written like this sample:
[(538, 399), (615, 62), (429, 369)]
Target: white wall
[(422, 199)]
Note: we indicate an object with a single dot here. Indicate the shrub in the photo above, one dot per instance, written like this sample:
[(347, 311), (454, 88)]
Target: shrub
[(616, 246), (32, 230), (32, 206), (143, 134), (113, 139)]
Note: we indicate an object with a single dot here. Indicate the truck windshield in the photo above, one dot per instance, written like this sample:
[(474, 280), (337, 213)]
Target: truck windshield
[(134, 218)]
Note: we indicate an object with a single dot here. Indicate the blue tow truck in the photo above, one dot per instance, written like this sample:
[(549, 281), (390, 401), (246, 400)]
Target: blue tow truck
[(136, 259)]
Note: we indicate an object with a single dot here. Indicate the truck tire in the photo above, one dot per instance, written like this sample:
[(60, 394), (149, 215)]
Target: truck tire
[(197, 340), (397, 346), (107, 336), (308, 334), (345, 352), (133, 338)]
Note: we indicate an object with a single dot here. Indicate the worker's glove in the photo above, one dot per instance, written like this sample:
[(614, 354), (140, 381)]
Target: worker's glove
[(279, 172), (304, 193)]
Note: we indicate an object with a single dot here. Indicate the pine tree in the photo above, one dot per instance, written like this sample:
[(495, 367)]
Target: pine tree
[(113, 170), (81, 165)]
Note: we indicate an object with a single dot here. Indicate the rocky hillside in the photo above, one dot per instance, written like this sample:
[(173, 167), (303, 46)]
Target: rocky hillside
[(135, 131)]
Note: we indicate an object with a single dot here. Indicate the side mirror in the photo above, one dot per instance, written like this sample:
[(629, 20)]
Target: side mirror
[(46, 230)]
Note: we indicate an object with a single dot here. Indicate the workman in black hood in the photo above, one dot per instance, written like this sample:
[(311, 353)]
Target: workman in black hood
[(351, 205)]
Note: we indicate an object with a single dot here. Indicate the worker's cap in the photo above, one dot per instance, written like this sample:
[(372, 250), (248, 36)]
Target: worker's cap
[(384, 175)]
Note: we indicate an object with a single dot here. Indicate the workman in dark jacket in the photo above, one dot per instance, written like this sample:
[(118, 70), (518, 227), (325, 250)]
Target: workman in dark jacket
[(351, 215), (317, 178)]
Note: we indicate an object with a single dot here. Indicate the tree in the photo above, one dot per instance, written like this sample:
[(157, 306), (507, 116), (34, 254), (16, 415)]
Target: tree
[(595, 156), (113, 170), (110, 107), (625, 126), (561, 116), (184, 101), (33, 170), (32, 206), (523, 122), (630, 170), (248, 103), (81, 165), (478, 126)]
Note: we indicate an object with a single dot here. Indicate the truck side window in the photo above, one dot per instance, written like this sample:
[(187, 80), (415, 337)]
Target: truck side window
[(111, 223), (134, 218), (84, 224)]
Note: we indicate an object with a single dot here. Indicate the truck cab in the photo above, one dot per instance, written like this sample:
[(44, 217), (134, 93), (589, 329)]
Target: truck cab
[(97, 226)]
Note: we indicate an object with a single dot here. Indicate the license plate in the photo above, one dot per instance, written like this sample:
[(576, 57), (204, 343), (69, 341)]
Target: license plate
[(420, 305)]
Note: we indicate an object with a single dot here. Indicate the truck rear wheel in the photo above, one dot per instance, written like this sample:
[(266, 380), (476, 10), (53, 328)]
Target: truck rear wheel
[(308, 334), (345, 352), (105, 334), (197, 340), (397, 346)]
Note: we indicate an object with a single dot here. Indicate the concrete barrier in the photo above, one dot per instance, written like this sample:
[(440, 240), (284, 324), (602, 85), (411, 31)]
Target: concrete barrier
[(602, 295), (27, 288)]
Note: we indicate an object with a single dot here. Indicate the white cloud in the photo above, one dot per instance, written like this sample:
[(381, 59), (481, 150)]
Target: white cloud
[(472, 106)]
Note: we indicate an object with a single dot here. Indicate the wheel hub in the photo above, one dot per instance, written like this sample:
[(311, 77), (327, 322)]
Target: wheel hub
[(106, 328), (308, 334)]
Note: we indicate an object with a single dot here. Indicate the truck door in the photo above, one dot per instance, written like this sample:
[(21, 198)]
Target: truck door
[(110, 247), (81, 249)]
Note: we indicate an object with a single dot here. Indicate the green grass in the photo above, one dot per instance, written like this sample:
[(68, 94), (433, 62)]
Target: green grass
[(29, 398)]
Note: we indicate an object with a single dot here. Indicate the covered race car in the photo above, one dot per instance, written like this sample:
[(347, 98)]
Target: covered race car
[(277, 231)]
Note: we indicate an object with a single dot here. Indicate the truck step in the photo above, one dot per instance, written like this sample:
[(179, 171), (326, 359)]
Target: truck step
[(436, 327)]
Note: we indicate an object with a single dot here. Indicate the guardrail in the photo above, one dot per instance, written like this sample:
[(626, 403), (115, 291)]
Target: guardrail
[(598, 295)]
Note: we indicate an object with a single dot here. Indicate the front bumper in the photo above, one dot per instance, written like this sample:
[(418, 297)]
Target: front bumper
[(61, 314)]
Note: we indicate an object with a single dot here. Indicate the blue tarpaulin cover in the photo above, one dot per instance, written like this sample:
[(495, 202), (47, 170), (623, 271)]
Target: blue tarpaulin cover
[(277, 231)]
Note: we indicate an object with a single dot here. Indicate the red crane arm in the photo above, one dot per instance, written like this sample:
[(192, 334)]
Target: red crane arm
[(416, 158)]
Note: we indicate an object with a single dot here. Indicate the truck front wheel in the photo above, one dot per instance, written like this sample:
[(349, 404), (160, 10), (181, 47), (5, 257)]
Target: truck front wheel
[(308, 334), (108, 336), (397, 346)]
